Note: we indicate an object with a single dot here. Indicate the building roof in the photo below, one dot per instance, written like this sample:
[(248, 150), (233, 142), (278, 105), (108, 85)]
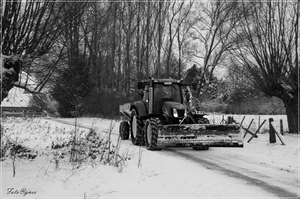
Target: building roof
[(16, 98)]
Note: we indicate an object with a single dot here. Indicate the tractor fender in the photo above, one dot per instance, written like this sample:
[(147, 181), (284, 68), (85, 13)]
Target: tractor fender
[(140, 108)]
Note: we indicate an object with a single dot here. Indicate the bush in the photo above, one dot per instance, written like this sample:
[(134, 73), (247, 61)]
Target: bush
[(261, 106), (72, 85), (213, 106), (67, 145)]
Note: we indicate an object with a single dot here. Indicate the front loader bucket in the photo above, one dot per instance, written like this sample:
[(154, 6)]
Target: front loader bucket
[(223, 135)]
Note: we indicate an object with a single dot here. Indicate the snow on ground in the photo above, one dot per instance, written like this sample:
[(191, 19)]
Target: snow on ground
[(145, 173), (258, 150)]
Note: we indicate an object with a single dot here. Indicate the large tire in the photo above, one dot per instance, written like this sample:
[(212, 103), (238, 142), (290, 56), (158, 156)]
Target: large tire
[(151, 134), (137, 137), (124, 130)]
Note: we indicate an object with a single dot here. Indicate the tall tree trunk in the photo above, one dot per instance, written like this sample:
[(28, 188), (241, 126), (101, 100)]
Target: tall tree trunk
[(291, 106), (113, 48), (138, 71), (158, 70), (148, 40), (119, 81), (179, 54)]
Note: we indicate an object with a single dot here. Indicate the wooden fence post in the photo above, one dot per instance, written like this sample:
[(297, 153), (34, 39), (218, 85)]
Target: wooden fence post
[(255, 134), (278, 134), (230, 120), (258, 122), (242, 120), (281, 127), (223, 120), (248, 128), (272, 135)]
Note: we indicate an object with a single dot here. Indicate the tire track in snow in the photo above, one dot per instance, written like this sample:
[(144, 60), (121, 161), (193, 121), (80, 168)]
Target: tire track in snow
[(256, 179)]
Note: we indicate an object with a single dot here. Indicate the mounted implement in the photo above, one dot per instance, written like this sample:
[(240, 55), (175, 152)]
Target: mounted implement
[(160, 119)]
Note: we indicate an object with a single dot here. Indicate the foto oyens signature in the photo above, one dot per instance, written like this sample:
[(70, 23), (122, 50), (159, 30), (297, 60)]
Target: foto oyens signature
[(23, 191)]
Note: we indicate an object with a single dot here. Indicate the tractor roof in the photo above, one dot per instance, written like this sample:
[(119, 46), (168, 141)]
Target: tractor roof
[(161, 80), (145, 82)]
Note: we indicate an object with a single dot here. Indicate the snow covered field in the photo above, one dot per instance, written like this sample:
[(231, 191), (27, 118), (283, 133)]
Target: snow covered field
[(145, 173)]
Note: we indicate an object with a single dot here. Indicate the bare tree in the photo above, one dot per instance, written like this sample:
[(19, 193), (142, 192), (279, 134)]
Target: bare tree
[(173, 12), (178, 14), (29, 30), (162, 14), (184, 25), (129, 28), (269, 36), (212, 28)]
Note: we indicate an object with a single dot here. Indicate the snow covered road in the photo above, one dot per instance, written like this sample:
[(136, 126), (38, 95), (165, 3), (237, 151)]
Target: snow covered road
[(278, 182)]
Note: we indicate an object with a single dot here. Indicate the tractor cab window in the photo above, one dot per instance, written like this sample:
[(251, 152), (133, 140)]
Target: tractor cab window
[(163, 93)]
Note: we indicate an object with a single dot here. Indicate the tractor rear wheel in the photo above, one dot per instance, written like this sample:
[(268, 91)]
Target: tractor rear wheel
[(124, 130), (151, 135), (137, 137)]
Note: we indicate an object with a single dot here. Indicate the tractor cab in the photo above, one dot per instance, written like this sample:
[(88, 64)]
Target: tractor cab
[(163, 97)]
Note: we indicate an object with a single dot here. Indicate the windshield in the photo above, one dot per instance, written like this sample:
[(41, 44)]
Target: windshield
[(163, 93), (170, 92)]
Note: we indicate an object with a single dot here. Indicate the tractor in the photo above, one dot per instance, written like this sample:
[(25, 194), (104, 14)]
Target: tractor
[(162, 119)]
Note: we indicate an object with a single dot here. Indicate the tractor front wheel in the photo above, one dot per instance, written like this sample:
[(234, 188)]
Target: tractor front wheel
[(151, 135)]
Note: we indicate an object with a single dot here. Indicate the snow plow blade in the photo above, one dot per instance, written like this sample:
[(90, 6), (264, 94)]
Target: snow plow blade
[(229, 135)]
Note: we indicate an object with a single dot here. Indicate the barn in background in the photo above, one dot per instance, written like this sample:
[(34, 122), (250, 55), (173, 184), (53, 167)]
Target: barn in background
[(18, 104)]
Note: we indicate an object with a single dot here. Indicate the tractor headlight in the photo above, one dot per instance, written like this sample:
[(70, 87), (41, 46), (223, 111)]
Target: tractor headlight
[(175, 113)]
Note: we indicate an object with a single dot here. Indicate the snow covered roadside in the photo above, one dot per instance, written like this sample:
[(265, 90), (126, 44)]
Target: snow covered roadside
[(257, 120), (146, 174), (275, 155)]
